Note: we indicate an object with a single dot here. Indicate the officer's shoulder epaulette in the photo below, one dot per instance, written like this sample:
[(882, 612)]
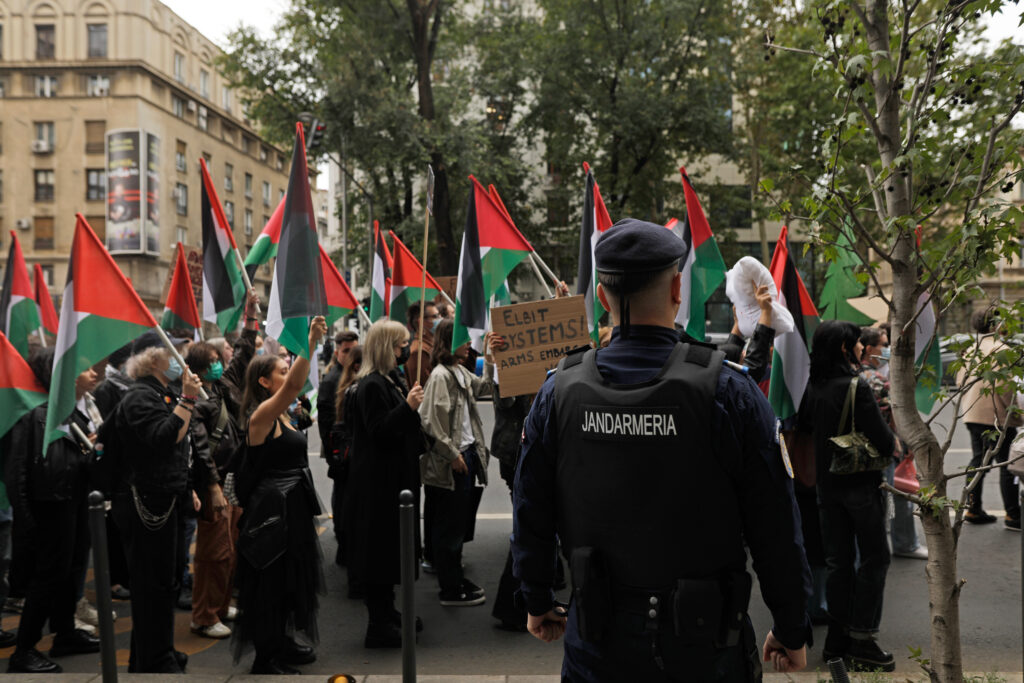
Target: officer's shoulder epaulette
[(574, 357)]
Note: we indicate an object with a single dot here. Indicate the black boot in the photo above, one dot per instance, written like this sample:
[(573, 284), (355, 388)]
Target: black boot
[(77, 642), (382, 634), (866, 655), (837, 642), (975, 512), (31, 662)]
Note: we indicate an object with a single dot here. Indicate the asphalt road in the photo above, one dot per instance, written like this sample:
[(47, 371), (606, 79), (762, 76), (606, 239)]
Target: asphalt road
[(465, 641)]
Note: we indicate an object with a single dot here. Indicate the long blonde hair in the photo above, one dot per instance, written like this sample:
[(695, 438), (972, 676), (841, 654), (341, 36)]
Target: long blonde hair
[(379, 347)]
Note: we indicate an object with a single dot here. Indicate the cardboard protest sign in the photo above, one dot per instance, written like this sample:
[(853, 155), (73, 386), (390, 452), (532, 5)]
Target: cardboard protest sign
[(537, 335)]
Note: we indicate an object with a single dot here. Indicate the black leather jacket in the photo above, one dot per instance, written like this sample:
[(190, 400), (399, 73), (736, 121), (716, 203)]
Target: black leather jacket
[(148, 429)]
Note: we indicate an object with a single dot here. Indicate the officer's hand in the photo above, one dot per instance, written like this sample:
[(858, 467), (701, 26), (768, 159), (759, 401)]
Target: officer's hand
[(783, 659), (459, 465), (548, 627)]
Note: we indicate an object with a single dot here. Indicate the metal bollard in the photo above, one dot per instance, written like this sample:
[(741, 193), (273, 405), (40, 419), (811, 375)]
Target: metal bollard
[(837, 667), (101, 567), (408, 516)]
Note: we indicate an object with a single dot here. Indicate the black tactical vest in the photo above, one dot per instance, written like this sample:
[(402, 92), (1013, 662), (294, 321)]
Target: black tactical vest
[(638, 476)]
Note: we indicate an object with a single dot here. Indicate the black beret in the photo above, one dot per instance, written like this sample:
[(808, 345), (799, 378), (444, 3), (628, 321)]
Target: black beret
[(635, 246), (151, 339)]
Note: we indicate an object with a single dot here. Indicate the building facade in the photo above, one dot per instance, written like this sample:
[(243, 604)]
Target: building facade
[(80, 77)]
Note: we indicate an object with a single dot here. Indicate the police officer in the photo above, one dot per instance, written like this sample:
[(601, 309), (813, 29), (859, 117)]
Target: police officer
[(653, 462)]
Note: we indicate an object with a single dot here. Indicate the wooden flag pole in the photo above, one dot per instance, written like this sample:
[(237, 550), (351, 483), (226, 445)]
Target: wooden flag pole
[(540, 277), (245, 278), (177, 356), (423, 263), (540, 262)]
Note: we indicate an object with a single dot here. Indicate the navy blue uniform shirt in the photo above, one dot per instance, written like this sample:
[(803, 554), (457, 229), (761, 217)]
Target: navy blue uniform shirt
[(745, 425)]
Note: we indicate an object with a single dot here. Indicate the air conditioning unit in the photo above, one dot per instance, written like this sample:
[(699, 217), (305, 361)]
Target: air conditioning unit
[(23, 223), (192, 106), (41, 146), (101, 91)]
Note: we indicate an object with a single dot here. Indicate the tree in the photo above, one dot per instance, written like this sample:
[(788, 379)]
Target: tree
[(923, 138)]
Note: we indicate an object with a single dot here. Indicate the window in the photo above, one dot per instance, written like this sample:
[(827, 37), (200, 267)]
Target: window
[(229, 213), (248, 221), (204, 83), (181, 199), (97, 40), (179, 67), (2, 87), (181, 234), (1, 42), (43, 232), (44, 186), (225, 98), (227, 133), (280, 162), (95, 134), (180, 157), (498, 112), (1, 185), (178, 106), (558, 208), (97, 86), (99, 226), (280, 195), (248, 185), (266, 193), (46, 86), (45, 41), (45, 133), (264, 153), (266, 219), (245, 140), (229, 182), (95, 184), (48, 278), (203, 120)]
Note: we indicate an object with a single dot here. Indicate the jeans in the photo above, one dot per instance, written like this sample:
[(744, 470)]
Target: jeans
[(853, 519), (453, 511), (979, 444), (904, 532)]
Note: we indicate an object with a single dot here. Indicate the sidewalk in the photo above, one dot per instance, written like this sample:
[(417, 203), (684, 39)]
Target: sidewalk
[(804, 677)]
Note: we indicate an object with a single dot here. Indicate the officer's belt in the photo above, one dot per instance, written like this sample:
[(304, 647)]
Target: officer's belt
[(711, 610)]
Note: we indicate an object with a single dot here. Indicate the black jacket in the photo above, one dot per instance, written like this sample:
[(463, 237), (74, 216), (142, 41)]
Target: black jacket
[(509, 414), (148, 428), (110, 392), (820, 410), (325, 401), (62, 475)]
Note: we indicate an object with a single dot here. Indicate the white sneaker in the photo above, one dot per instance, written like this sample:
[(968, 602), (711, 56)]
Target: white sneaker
[(216, 631), (88, 628), (87, 613), (231, 614)]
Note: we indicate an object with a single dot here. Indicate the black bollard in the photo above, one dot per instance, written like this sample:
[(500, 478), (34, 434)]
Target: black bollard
[(101, 567), (407, 513), (837, 667)]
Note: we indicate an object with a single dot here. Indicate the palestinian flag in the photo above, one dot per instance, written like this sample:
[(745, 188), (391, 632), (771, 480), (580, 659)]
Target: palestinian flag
[(340, 299), (380, 294), (265, 247), (45, 302), (703, 269), (491, 248), (926, 353), (19, 313), (180, 310), (297, 291), (791, 360), (595, 221), (20, 392), (408, 282), (100, 313), (223, 286)]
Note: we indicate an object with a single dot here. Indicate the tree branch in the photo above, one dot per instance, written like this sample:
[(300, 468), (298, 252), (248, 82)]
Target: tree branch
[(976, 470)]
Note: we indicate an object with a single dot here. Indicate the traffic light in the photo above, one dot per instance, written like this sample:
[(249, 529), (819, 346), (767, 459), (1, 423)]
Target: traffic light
[(315, 136)]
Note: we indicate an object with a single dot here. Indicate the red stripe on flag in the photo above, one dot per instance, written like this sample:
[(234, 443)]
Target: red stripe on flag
[(180, 297), (700, 230), (20, 284), (778, 270), (45, 302), (14, 371), (338, 292), (408, 272), (494, 226), (100, 287)]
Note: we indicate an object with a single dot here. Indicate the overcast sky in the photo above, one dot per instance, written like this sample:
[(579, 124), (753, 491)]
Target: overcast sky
[(216, 18)]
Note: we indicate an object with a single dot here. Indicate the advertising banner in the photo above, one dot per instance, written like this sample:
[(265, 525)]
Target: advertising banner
[(124, 192), (152, 194)]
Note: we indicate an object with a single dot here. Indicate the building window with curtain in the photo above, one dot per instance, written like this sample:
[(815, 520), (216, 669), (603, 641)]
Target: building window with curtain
[(95, 184), (46, 86), (46, 41), (97, 40)]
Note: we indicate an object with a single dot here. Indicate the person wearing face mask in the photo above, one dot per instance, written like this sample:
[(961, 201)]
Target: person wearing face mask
[(151, 424), (48, 494), (384, 460), (851, 506)]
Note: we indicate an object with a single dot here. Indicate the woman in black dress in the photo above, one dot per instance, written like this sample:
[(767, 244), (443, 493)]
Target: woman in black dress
[(384, 456), (279, 572)]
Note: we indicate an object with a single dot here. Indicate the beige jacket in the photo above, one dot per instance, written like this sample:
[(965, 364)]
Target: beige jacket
[(986, 408), (440, 412)]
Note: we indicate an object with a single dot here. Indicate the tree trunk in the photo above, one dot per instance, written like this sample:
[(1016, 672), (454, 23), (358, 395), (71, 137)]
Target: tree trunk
[(943, 587)]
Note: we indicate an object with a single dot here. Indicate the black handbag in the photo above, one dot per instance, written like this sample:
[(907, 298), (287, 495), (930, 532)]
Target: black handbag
[(853, 451)]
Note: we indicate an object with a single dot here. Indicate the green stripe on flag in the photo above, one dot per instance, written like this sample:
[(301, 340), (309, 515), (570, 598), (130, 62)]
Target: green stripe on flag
[(707, 275), (262, 251), (295, 336), (24, 320), (170, 321), (928, 384), (335, 313), (14, 404), (496, 265), (406, 298), (778, 392), (227, 320)]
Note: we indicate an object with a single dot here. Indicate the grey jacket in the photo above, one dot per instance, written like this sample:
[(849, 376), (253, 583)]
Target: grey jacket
[(443, 400)]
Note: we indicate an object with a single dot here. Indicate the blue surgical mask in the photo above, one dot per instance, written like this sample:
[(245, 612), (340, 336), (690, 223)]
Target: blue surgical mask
[(173, 370), (260, 351), (215, 371), (885, 352)]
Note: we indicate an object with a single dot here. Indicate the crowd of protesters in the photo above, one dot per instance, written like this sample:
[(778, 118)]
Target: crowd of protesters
[(215, 446)]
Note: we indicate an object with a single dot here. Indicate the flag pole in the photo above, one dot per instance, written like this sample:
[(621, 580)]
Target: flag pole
[(363, 316), (176, 356), (42, 336), (539, 261), (426, 242), (543, 282), (245, 277)]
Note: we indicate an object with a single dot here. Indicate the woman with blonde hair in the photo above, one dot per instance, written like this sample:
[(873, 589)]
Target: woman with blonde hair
[(384, 457)]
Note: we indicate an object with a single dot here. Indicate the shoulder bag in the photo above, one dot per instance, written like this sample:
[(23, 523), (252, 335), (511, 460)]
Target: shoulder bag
[(853, 451)]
